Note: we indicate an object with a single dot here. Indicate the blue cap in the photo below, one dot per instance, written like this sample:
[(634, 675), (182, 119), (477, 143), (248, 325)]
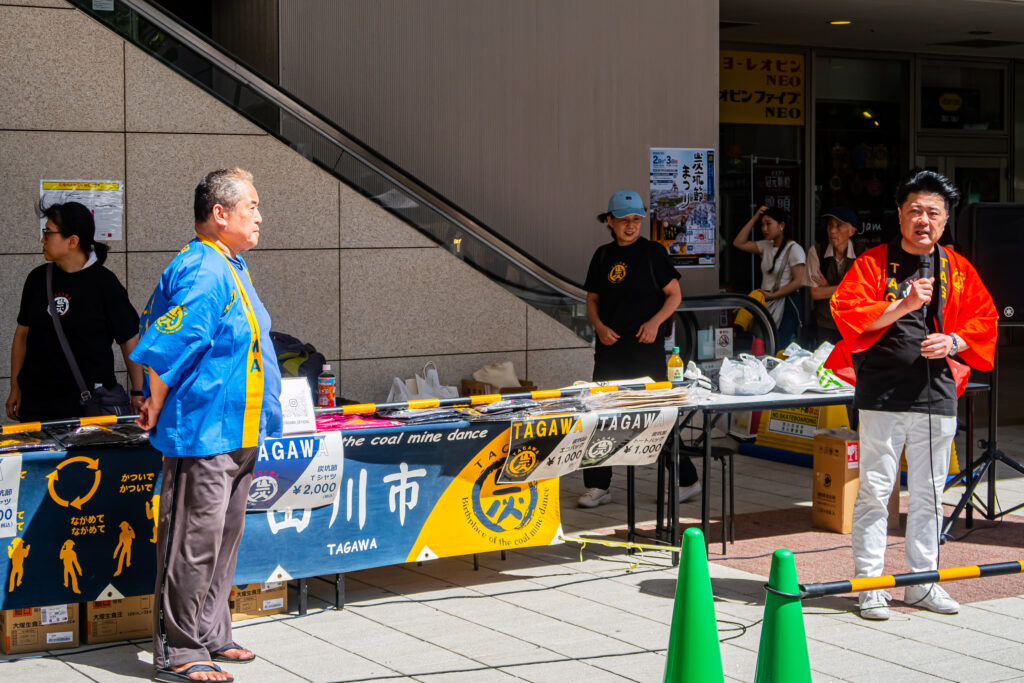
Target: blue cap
[(626, 203), (842, 213)]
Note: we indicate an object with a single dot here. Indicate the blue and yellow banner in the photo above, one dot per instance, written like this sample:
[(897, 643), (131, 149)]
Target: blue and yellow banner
[(83, 522), (406, 494)]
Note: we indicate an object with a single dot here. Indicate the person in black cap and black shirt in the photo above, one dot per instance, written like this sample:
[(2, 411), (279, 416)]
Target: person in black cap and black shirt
[(632, 289), (826, 271)]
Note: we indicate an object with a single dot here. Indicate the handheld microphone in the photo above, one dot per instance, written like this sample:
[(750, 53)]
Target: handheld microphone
[(926, 265)]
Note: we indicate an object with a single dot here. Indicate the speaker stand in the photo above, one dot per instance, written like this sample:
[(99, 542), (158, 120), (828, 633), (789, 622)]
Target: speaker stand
[(975, 472)]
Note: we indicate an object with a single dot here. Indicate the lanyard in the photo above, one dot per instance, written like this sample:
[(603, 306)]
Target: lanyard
[(254, 360), (892, 286)]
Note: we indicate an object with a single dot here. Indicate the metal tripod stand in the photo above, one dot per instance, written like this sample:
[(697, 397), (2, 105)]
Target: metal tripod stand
[(975, 472)]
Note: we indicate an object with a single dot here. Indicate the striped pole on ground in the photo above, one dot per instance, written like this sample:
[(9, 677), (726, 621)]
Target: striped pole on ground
[(485, 399), (978, 571)]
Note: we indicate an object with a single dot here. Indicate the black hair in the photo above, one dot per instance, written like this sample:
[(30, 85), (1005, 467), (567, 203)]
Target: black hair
[(920, 180), (781, 217), (72, 218)]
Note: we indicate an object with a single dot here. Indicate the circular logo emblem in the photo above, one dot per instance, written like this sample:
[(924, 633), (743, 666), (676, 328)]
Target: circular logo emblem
[(62, 304), (601, 448), (828, 480), (502, 507), (262, 489), (1008, 312), (617, 273), (950, 101), (171, 320), (523, 461)]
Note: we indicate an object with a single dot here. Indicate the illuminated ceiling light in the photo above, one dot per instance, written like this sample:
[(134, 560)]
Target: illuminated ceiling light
[(875, 122), (840, 22), (867, 114)]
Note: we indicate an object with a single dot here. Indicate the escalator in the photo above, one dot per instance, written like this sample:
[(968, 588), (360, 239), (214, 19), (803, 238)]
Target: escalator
[(205, 64)]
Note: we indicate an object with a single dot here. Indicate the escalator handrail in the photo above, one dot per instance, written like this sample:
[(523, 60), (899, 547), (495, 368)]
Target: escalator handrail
[(357, 149), (720, 300)]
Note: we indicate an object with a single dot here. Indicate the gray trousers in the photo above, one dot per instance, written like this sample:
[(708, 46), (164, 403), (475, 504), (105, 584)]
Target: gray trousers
[(202, 514)]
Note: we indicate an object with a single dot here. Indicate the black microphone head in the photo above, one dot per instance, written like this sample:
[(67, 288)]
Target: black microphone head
[(926, 265)]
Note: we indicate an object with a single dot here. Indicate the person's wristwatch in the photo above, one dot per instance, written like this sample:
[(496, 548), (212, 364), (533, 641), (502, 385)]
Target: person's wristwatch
[(956, 346)]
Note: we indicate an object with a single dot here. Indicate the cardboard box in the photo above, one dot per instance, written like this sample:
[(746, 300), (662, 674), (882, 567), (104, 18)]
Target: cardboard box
[(107, 621), (54, 627), (743, 424), (836, 479), (470, 387), (258, 600), (836, 485)]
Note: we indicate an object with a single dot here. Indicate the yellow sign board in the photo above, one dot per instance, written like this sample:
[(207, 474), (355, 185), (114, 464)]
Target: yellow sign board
[(761, 87)]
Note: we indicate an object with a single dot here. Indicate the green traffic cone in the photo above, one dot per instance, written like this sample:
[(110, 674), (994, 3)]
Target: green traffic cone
[(693, 652), (782, 655)]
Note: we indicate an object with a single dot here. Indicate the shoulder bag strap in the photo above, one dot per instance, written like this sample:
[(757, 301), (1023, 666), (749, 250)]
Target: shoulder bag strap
[(59, 329)]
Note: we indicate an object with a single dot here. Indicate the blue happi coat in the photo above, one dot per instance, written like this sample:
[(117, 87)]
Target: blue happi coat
[(207, 335)]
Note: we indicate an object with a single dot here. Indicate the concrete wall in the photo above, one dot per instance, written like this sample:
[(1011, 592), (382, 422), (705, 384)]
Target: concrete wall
[(528, 114), (374, 295)]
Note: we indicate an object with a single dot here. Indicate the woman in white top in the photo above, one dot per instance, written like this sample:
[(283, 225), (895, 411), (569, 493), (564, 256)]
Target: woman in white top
[(782, 268)]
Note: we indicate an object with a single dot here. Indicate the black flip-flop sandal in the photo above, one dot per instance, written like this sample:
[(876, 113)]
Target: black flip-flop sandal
[(218, 656), (171, 676)]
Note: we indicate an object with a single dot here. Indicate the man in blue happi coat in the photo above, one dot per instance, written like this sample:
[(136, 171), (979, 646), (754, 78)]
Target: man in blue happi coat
[(212, 397)]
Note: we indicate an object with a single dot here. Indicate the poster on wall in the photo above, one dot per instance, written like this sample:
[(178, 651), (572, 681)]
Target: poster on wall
[(683, 215), (105, 198)]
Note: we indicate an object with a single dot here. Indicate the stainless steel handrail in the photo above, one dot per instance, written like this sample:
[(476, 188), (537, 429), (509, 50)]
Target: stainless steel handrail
[(561, 287), (350, 145)]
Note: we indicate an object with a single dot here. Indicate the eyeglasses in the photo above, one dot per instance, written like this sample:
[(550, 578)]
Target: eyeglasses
[(44, 233)]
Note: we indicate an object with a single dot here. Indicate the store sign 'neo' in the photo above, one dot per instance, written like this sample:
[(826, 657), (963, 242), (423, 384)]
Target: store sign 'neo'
[(761, 87)]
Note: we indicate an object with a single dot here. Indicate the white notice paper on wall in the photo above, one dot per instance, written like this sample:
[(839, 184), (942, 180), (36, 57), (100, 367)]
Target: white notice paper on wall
[(104, 198), (297, 406)]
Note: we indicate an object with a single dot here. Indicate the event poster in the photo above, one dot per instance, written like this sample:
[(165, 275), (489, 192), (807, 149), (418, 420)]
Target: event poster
[(105, 198), (683, 213)]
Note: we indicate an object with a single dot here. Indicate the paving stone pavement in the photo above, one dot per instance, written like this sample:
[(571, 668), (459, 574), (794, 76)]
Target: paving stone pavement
[(564, 614)]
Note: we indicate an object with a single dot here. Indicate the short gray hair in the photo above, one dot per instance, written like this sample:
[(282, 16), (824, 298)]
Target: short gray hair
[(223, 186)]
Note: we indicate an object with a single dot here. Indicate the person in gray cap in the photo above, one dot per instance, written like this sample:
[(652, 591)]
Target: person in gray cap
[(632, 289), (827, 263)]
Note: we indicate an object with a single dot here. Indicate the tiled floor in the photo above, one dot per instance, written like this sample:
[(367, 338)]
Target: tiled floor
[(561, 614)]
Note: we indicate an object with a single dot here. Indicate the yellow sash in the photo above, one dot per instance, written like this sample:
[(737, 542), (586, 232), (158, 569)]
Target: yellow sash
[(254, 361)]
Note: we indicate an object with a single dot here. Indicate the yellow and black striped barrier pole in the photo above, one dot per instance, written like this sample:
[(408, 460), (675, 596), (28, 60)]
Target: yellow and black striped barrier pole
[(366, 408), (22, 427), (979, 571), (485, 399)]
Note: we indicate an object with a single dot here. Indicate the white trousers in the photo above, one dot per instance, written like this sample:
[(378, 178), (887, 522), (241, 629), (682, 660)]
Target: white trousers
[(882, 436)]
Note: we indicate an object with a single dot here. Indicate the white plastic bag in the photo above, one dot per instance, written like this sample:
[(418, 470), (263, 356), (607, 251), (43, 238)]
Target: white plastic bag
[(701, 384), (805, 371), (744, 377), (426, 385)]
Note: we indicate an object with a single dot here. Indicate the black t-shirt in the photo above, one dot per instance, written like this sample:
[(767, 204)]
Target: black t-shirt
[(95, 312), (628, 282), (892, 375)]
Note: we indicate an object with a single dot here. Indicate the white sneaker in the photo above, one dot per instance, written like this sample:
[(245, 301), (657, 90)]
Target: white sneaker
[(874, 605), (688, 492), (594, 497), (931, 597)]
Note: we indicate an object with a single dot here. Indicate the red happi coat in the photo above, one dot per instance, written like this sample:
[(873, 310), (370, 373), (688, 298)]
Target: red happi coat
[(860, 299)]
